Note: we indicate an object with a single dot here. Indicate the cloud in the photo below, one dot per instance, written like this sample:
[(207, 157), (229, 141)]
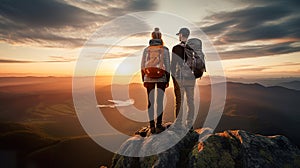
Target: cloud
[(250, 68), (59, 23), (137, 47), (45, 23), (118, 55), (289, 64), (114, 55), (260, 50), (120, 7), (113, 8), (60, 59), (42, 13), (140, 5), (14, 61), (258, 69), (98, 44), (39, 37), (278, 22), (52, 59)]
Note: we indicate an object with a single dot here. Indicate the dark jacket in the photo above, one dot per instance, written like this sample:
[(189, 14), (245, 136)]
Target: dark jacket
[(177, 59), (177, 63)]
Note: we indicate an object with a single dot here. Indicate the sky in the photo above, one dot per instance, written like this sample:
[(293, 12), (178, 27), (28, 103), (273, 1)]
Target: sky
[(254, 38)]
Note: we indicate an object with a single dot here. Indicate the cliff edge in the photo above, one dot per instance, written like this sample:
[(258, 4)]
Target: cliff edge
[(201, 148)]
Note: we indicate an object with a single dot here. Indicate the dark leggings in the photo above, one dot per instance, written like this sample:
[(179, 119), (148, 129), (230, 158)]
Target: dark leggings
[(161, 86)]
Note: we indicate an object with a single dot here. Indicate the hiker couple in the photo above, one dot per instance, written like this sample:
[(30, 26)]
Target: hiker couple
[(187, 64)]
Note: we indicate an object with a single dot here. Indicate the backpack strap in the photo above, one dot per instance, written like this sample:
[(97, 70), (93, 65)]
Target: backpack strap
[(161, 57), (148, 54), (184, 48)]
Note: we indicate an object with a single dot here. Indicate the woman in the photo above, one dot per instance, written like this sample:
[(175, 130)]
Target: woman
[(155, 68)]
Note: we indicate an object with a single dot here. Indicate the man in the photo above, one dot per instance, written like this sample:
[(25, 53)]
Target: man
[(182, 86)]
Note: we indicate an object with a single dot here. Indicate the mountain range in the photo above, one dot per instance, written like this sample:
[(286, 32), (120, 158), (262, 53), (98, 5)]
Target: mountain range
[(291, 85), (39, 124)]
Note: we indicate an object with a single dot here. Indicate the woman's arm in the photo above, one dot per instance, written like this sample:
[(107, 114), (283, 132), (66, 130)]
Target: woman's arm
[(143, 63)]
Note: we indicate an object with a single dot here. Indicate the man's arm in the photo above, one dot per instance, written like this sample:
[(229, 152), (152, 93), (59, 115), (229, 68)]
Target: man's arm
[(167, 63), (174, 60)]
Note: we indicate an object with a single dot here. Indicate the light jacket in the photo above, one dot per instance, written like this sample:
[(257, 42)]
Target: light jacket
[(166, 77)]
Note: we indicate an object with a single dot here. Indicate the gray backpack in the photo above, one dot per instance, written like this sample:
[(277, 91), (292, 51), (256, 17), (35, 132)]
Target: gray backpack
[(194, 62)]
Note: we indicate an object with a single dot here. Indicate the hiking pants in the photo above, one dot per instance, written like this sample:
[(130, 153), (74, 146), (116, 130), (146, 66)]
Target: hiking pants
[(180, 90), (161, 86)]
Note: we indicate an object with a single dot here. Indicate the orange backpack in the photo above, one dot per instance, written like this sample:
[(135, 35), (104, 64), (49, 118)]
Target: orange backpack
[(154, 65)]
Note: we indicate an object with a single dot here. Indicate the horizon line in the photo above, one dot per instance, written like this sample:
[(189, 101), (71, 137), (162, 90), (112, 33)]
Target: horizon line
[(69, 76)]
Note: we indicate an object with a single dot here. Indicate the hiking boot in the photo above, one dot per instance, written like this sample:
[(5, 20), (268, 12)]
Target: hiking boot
[(160, 128), (152, 129), (191, 129)]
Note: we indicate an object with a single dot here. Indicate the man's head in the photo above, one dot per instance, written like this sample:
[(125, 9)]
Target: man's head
[(183, 34)]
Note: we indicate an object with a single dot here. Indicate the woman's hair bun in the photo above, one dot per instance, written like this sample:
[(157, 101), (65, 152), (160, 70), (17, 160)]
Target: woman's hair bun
[(156, 34)]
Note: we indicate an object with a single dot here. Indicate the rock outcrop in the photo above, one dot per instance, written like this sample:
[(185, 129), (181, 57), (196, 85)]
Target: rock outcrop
[(201, 148), (238, 148)]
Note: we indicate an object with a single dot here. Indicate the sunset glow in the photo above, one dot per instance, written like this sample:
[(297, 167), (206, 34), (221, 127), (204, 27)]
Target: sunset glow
[(261, 48)]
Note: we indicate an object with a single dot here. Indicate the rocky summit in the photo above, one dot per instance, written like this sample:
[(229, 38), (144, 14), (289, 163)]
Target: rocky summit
[(202, 148)]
